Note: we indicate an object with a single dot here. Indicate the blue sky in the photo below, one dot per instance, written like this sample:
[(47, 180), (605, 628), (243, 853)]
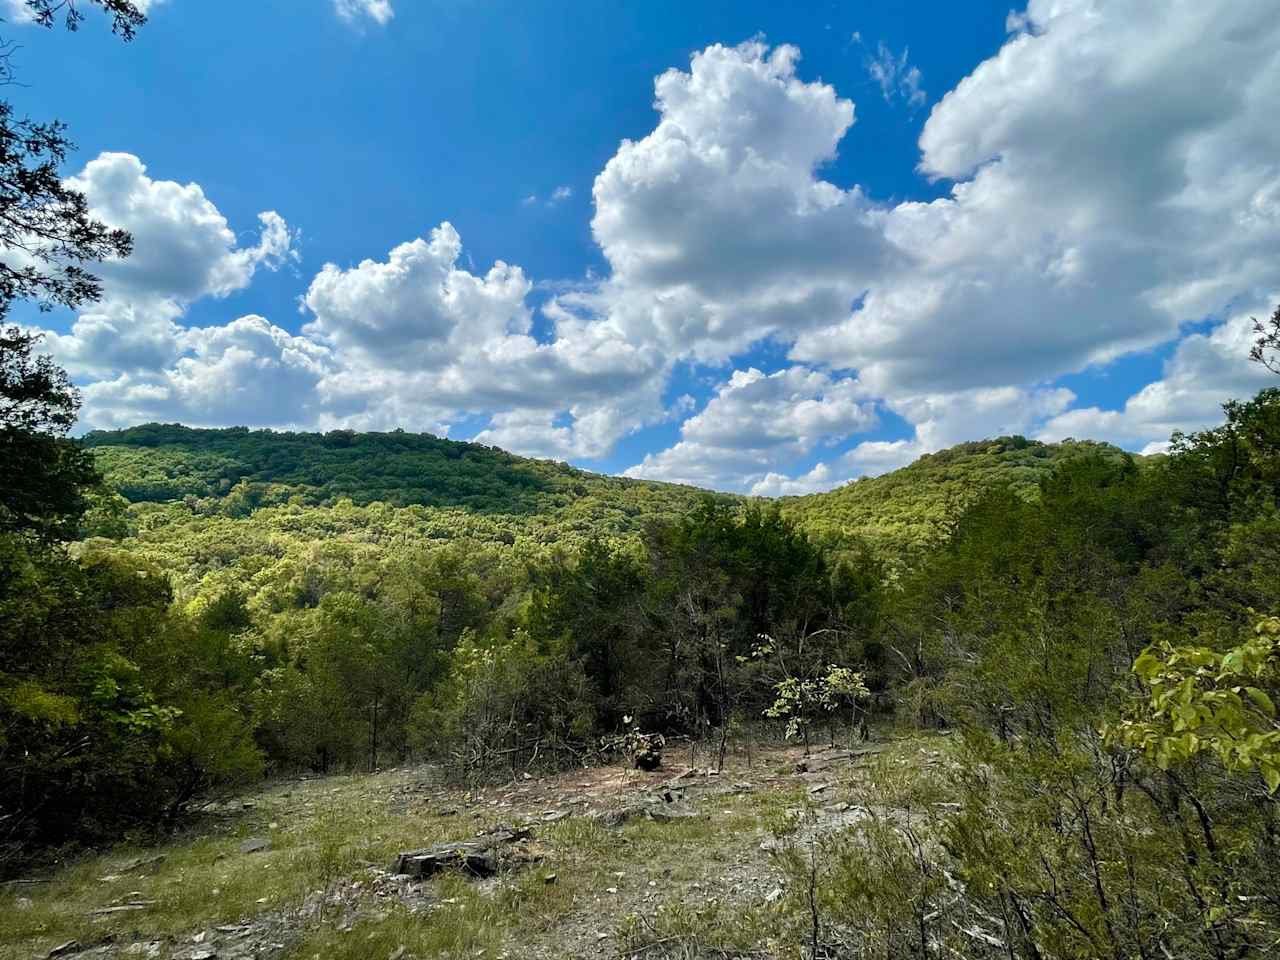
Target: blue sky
[(810, 265)]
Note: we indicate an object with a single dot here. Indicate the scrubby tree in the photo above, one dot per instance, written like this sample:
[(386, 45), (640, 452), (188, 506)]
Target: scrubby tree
[(47, 232), (1202, 702), (1266, 349), (43, 476)]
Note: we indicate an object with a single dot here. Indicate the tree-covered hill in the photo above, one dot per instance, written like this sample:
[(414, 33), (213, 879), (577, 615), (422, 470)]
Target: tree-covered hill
[(460, 489), (914, 507), (414, 486), (246, 469)]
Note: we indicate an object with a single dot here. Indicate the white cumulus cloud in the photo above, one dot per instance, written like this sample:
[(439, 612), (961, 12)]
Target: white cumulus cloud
[(183, 250), (1205, 370), (715, 225), (1111, 178), (247, 372), (759, 421)]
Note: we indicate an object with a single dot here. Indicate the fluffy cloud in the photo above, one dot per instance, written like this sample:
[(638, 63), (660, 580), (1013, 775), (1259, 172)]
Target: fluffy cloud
[(1205, 370), (940, 420), (757, 421), (183, 247), (820, 478), (417, 308), (353, 11), (140, 362), (715, 226), (184, 250), (1113, 178), (417, 328), (246, 372)]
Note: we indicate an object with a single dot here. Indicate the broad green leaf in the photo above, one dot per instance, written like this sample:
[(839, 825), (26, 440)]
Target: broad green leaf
[(1261, 700)]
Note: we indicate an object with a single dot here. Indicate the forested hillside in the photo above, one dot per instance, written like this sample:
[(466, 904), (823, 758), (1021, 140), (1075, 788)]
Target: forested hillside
[(488, 494), (235, 470), (917, 506), (1103, 634)]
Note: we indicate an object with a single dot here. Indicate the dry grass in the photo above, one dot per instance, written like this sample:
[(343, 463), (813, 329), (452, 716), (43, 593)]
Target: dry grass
[(653, 888)]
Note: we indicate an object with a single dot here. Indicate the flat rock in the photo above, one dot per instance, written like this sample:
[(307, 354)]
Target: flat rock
[(254, 845), (658, 811), (667, 812), (481, 857)]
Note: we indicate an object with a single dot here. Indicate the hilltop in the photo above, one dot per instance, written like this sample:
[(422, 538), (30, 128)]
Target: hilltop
[(244, 469), (498, 496), (418, 484), (914, 506)]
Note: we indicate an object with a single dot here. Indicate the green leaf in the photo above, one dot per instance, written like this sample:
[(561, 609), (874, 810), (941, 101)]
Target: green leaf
[(1271, 775), (1261, 700)]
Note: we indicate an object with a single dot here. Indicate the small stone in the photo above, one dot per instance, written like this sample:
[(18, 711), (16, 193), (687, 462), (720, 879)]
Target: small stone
[(549, 878), (610, 889), (23, 903), (397, 953), (123, 908), (774, 895), (254, 845), (71, 946)]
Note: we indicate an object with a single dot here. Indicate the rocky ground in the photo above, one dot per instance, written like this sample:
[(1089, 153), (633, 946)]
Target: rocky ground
[(592, 863)]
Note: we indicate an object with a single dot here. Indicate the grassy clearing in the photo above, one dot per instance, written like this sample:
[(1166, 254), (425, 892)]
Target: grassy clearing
[(659, 888), (318, 834), (600, 875)]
